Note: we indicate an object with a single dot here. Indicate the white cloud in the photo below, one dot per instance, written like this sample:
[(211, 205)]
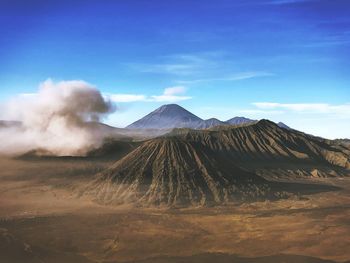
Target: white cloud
[(170, 94), (233, 77), (175, 69), (321, 119), (249, 75), (324, 108), (174, 90)]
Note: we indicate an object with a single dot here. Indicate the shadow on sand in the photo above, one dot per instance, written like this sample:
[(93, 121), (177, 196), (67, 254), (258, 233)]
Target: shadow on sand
[(228, 258)]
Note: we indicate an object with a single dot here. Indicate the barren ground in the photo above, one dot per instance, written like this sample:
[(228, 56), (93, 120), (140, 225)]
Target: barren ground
[(41, 218)]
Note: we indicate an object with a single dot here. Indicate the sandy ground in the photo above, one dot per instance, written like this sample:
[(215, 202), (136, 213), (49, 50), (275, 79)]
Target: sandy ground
[(38, 208)]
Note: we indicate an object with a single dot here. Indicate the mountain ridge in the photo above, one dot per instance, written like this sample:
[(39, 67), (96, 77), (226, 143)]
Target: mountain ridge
[(171, 116), (265, 140)]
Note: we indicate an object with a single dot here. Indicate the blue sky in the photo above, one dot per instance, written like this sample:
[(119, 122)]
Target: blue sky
[(285, 60)]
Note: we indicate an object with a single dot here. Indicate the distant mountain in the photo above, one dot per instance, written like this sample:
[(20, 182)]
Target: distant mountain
[(243, 120), (205, 124), (164, 118), (239, 121), (174, 116), (282, 125), (167, 117)]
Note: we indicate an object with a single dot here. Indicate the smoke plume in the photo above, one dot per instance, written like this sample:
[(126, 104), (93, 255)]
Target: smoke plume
[(58, 119)]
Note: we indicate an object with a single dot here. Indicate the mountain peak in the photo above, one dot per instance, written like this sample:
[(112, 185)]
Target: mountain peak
[(266, 123), (170, 107), (283, 125), (167, 117), (212, 119)]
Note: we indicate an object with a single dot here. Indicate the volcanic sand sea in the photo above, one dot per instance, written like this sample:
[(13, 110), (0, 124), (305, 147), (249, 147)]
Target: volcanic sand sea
[(42, 219)]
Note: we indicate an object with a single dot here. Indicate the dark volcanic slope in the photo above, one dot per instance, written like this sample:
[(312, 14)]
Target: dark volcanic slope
[(266, 141), (174, 172), (228, 258), (342, 142)]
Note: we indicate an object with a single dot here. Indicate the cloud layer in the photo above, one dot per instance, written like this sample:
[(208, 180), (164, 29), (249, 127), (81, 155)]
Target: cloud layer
[(323, 108), (171, 94)]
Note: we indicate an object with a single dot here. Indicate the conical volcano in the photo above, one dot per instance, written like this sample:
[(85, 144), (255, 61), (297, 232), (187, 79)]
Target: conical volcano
[(173, 172), (167, 117)]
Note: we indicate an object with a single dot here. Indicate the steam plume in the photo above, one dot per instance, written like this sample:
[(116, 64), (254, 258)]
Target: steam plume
[(57, 118)]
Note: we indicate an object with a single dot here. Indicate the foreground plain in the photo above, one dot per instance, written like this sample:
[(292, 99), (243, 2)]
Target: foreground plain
[(42, 220)]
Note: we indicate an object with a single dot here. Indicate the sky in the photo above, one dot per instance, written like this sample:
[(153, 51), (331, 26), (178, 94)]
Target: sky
[(283, 60)]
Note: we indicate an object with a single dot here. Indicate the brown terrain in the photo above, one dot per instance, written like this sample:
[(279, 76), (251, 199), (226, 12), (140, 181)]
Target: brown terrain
[(256, 193), (171, 171)]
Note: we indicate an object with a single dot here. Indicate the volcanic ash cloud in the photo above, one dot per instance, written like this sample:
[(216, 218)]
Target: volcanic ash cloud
[(57, 119)]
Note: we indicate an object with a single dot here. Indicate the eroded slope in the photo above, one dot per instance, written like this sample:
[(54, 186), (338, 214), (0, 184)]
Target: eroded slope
[(171, 172)]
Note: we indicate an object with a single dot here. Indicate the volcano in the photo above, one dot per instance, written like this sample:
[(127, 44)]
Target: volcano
[(167, 117), (174, 172), (266, 141), (211, 167)]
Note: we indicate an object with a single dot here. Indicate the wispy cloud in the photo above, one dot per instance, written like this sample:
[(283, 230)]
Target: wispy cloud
[(171, 94), (167, 68), (174, 90), (233, 77), (327, 43), (199, 67), (320, 108), (179, 64), (339, 39)]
